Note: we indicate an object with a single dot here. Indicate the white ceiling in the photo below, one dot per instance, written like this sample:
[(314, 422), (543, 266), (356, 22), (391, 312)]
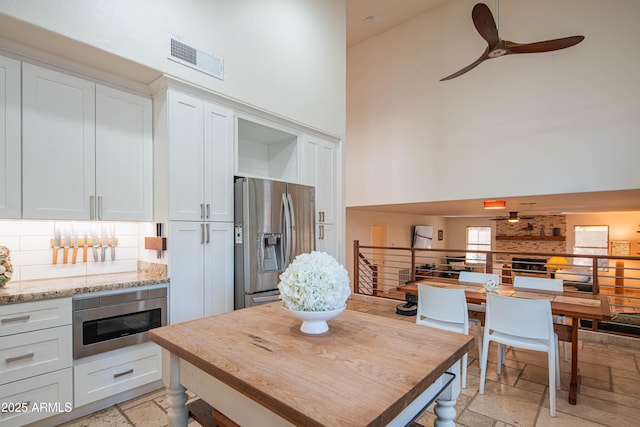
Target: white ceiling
[(386, 14)]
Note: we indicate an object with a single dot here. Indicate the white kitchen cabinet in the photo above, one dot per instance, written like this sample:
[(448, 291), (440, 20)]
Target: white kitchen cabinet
[(320, 169), (201, 269), (124, 156), (87, 149), (10, 134), (58, 144), (54, 388), (200, 160), (327, 239), (104, 375), (35, 358)]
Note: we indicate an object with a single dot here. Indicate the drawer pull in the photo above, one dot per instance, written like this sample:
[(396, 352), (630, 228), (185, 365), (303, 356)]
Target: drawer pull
[(22, 357), (121, 374), (15, 319)]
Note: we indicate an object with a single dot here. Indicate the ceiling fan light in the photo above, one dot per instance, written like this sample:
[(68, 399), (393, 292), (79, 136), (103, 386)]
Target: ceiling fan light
[(513, 217), (495, 204)]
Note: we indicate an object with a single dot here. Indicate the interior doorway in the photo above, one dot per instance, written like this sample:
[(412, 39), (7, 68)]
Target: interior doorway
[(379, 239)]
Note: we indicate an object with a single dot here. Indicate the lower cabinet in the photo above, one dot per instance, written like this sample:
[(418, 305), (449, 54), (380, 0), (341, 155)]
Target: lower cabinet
[(103, 375), (327, 239), (36, 398)]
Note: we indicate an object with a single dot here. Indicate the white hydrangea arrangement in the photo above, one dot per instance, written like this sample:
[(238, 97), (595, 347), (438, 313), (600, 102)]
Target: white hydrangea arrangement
[(314, 282)]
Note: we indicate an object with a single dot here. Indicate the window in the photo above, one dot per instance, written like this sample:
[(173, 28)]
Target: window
[(478, 239), (591, 240)]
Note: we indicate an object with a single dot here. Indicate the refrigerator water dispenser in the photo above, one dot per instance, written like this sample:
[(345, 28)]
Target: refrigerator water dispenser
[(271, 252)]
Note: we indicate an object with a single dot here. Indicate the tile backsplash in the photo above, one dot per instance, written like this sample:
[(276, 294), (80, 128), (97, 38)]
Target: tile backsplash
[(32, 255)]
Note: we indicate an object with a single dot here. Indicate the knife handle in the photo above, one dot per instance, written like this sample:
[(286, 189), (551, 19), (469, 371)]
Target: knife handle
[(103, 254), (74, 257), (65, 255), (55, 255), (95, 254), (85, 248)]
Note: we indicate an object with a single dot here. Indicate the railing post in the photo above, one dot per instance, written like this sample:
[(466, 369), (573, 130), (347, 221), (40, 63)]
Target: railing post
[(595, 281), (356, 266), (413, 264), (488, 266)]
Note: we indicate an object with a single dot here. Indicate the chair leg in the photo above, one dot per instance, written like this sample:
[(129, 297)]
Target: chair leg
[(557, 365), (553, 369), (463, 371), (564, 350), (500, 358), (483, 362), (479, 340)]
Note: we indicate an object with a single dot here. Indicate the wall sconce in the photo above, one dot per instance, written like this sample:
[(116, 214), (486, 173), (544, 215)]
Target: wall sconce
[(495, 204), (513, 217)]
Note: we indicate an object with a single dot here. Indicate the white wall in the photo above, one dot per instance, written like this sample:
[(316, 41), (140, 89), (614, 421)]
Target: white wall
[(283, 56), (558, 122)]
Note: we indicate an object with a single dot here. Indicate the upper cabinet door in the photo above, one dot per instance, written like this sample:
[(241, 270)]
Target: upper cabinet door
[(320, 170), (186, 158), (10, 159), (58, 145), (124, 156), (218, 163)]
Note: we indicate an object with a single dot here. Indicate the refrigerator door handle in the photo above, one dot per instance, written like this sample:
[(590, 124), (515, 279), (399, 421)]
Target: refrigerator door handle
[(292, 213), (286, 230)]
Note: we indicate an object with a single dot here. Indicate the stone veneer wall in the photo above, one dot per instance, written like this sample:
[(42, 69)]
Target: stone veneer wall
[(538, 228)]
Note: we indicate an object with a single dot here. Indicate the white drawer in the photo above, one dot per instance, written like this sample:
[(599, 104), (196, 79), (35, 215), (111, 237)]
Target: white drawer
[(42, 397), (31, 316), (117, 371), (34, 353)]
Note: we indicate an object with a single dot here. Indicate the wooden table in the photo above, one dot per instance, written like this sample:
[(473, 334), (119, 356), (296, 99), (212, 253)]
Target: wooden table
[(575, 306), (256, 367)]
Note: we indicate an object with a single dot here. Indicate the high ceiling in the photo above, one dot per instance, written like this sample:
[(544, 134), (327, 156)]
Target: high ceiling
[(366, 19)]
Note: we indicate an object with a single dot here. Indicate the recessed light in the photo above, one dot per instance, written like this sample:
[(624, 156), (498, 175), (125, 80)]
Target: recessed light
[(368, 19)]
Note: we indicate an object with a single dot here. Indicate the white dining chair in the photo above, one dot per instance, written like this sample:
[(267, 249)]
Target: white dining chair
[(446, 309), (474, 277), (543, 283), (523, 323)]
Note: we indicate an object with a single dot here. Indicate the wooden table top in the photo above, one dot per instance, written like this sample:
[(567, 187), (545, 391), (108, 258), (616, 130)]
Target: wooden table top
[(583, 305), (364, 371)]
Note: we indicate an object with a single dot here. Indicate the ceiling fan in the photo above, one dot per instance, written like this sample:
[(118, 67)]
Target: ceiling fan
[(513, 217), (486, 26)]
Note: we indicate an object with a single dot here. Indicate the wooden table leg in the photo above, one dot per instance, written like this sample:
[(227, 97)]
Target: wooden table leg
[(573, 387)]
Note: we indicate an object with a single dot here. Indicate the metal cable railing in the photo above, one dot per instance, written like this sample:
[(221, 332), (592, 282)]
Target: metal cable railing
[(379, 271)]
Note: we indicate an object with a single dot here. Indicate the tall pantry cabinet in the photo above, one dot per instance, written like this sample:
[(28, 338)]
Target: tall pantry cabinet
[(320, 169), (194, 144)]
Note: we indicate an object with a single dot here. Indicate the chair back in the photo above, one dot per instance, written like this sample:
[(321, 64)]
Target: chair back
[(520, 317), (444, 305), (473, 277), (540, 283)]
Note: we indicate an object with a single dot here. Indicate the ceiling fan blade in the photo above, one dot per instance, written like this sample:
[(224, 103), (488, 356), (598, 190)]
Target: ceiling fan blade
[(485, 24), (471, 66), (543, 46)]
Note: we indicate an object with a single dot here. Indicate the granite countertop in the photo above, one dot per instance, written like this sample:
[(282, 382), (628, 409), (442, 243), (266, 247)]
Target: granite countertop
[(34, 290)]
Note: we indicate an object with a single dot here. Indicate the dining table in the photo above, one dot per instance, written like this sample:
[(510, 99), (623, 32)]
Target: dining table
[(572, 305), (256, 367)]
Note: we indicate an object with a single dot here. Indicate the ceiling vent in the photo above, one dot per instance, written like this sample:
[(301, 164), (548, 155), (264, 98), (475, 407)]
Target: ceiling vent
[(194, 58)]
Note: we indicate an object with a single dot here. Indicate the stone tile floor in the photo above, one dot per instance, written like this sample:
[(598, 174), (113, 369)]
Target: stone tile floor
[(609, 394)]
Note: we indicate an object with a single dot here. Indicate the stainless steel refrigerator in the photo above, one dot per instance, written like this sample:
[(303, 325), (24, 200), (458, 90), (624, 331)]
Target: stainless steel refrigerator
[(274, 222)]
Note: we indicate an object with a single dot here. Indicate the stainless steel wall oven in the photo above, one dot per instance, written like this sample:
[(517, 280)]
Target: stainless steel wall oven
[(116, 319)]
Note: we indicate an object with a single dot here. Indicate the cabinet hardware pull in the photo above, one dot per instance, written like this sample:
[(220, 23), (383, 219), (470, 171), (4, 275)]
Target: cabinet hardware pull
[(22, 357), (99, 207), (92, 207), (201, 210), (208, 234), (121, 374), (208, 210), (322, 232), (15, 319), (202, 234)]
